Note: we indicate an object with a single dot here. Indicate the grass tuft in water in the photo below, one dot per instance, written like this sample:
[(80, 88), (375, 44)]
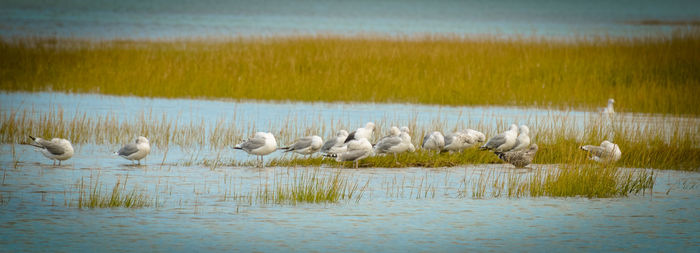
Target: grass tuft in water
[(91, 194), (310, 186)]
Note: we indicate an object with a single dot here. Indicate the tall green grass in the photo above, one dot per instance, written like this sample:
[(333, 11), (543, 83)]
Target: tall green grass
[(92, 194), (310, 186), (655, 74), (591, 181)]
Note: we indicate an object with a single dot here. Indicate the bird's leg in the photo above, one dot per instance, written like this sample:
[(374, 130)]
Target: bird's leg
[(59, 162), (357, 164)]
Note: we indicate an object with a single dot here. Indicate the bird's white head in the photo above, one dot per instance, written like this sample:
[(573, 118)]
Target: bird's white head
[(405, 129), (141, 139), (611, 101), (394, 131), (524, 129), (370, 126), (341, 133), (514, 128)]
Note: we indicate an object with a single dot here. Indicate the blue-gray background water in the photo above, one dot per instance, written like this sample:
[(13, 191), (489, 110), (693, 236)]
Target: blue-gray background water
[(221, 18)]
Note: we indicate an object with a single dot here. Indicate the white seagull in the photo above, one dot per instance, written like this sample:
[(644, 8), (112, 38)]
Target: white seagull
[(306, 145), (363, 132), (56, 149), (503, 141), (609, 110), (392, 144), (356, 150), (458, 141), (523, 140), (606, 152), (260, 145), (136, 150), (406, 137), (335, 145), (434, 141)]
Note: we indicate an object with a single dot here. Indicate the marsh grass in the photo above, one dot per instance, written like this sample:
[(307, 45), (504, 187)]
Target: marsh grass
[(661, 142), (590, 181), (516, 71), (310, 186), (92, 194)]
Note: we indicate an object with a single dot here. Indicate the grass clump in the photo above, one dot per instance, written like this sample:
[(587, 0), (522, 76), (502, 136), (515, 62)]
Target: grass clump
[(428, 70), (91, 194), (310, 186), (564, 181)]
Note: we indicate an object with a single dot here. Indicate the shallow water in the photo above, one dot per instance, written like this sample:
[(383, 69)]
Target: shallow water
[(297, 119), (168, 19), (411, 209)]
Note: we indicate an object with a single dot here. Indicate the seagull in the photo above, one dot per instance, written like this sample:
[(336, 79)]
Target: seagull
[(136, 150), (364, 132), (519, 158), (356, 150), (56, 149), (261, 144), (606, 152), (392, 144), (480, 137), (523, 140), (335, 145), (503, 141), (406, 136), (609, 110), (457, 141), (434, 141), (306, 145)]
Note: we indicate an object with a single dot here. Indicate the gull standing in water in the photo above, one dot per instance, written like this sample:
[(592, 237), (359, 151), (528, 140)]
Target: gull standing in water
[(356, 150), (306, 145), (523, 140), (502, 142), (56, 149), (519, 158), (335, 145), (606, 152), (363, 132), (609, 109), (260, 145), (434, 141), (136, 150)]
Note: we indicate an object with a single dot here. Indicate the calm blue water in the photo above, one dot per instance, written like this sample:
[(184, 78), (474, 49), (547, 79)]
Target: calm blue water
[(181, 18), (195, 210)]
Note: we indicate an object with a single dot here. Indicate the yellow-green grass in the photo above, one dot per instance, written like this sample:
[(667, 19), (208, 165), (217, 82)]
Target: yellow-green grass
[(658, 142), (310, 186), (571, 180), (657, 74), (92, 195)]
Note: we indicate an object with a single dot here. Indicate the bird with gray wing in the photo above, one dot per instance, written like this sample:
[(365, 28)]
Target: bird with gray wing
[(56, 149), (356, 150), (519, 158), (606, 152), (135, 151), (434, 141), (335, 145), (305, 146), (502, 142), (523, 140), (260, 145)]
